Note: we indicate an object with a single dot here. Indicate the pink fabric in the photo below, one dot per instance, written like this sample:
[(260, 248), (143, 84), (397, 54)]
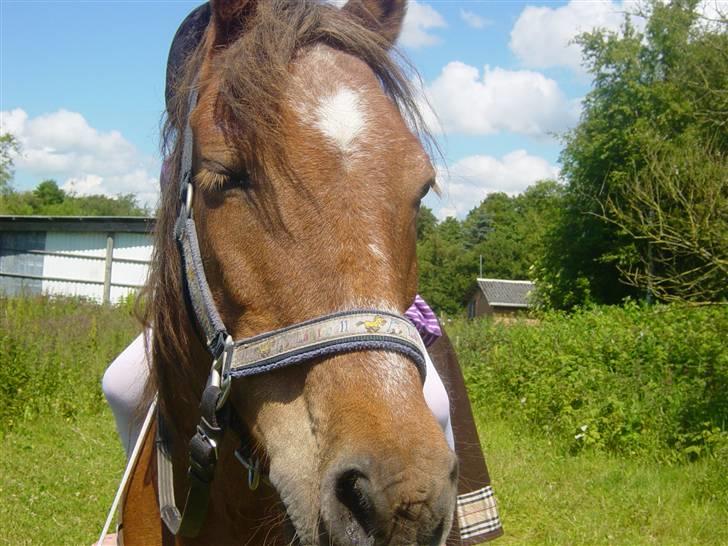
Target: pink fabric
[(424, 319)]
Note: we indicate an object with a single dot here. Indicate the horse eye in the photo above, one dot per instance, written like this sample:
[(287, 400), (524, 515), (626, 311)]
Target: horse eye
[(243, 180), (424, 191), (237, 181)]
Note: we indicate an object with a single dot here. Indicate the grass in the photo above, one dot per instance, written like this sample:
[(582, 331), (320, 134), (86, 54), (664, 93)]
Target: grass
[(593, 498), (60, 458), (57, 479)]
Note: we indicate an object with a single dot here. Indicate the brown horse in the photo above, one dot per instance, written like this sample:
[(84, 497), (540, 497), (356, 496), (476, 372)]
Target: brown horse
[(308, 174)]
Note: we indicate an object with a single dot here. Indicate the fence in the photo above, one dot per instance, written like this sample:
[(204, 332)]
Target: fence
[(101, 258)]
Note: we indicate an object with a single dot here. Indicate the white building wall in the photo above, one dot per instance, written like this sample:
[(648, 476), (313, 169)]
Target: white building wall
[(129, 246), (80, 265)]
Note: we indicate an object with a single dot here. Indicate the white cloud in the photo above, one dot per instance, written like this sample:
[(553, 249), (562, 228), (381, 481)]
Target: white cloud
[(472, 178), (542, 36), (62, 145), (474, 20), (518, 101), (418, 24)]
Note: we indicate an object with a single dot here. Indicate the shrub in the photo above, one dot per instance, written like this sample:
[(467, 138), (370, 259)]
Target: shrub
[(629, 380)]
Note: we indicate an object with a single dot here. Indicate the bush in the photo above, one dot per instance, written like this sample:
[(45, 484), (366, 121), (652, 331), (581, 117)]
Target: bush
[(53, 352), (629, 380)]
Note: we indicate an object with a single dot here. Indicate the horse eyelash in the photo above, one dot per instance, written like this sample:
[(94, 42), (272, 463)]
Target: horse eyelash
[(218, 181), (433, 186), (210, 179)]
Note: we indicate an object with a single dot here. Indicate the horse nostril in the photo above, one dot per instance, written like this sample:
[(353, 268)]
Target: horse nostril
[(354, 491)]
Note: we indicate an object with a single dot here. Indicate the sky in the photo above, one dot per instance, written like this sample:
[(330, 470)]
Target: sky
[(82, 88)]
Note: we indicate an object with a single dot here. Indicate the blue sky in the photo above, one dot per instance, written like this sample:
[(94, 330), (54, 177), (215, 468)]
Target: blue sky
[(81, 86)]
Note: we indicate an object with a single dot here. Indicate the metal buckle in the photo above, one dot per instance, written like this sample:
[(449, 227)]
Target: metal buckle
[(209, 441), (219, 373)]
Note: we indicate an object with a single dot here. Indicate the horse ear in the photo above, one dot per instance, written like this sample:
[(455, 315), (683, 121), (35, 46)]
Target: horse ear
[(228, 18), (382, 16)]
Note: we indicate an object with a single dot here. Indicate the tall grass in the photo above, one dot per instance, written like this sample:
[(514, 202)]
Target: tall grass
[(53, 353)]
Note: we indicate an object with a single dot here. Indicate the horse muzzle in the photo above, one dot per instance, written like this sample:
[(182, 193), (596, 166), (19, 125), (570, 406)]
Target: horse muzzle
[(377, 501)]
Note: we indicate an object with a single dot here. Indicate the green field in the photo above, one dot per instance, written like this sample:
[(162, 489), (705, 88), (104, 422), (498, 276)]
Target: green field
[(60, 459)]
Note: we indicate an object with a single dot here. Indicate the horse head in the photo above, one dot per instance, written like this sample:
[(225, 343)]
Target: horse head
[(308, 176)]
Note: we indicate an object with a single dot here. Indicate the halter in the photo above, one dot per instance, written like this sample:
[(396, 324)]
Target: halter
[(327, 335)]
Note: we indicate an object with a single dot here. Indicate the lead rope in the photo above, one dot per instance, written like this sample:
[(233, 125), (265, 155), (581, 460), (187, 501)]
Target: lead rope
[(131, 463)]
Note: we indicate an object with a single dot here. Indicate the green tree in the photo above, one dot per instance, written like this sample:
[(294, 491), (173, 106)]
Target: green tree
[(48, 199), (8, 147), (426, 223), (508, 232), (666, 86), (48, 193), (677, 215), (444, 278)]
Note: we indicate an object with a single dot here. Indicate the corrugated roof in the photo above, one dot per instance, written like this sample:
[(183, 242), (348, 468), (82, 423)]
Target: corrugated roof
[(128, 224), (506, 293)]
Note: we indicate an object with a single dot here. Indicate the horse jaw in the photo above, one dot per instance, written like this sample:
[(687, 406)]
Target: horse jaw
[(360, 413)]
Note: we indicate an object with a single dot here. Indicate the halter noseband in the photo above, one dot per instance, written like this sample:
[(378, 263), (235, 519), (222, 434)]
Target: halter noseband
[(335, 333)]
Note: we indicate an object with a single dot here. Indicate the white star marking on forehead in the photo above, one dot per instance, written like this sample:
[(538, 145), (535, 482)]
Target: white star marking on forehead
[(341, 118)]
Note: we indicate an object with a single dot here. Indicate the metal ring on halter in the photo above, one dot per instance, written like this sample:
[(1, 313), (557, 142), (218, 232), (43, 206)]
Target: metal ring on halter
[(254, 475), (188, 198), (253, 469)]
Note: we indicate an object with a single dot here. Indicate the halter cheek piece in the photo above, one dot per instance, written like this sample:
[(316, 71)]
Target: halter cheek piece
[(341, 332)]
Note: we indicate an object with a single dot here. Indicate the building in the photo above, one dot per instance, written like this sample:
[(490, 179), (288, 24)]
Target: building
[(99, 257), (499, 297)]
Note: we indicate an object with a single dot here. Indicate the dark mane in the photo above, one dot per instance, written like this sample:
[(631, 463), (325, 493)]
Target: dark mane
[(254, 72)]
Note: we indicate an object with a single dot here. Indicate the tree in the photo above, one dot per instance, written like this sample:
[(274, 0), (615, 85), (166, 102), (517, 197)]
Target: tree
[(664, 87), (677, 215), (426, 223), (444, 279), (48, 193), (48, 199), (507, 232), (8, 147)]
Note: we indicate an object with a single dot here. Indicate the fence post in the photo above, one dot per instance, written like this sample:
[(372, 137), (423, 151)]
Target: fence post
[(107, 268)]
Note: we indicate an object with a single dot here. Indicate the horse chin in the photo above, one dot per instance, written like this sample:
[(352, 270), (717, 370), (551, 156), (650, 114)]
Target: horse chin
[(300, 524)]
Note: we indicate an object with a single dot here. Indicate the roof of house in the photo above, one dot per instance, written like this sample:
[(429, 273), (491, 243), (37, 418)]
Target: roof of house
[(506, 293), (130, 224)]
